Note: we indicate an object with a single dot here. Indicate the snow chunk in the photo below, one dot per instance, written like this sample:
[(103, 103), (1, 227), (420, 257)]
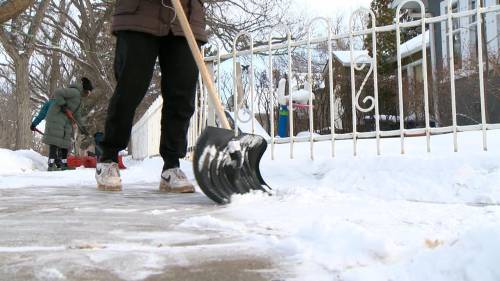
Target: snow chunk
[(133, 266), (50, 274), (161, 212), (211, 223), (473, 256)]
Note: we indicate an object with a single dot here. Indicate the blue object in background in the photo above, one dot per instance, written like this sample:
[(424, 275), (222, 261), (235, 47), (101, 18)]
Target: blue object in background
[(43, 112), (283, 121)]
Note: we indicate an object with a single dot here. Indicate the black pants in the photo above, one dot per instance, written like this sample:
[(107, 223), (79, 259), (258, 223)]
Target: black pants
[(57, 155), (135, 58)]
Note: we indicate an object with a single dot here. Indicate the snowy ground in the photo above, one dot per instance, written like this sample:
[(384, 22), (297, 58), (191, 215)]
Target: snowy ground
[(414, 217)]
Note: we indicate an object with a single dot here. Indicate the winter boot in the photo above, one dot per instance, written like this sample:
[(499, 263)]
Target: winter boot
[(175, 181), (52, 166), (107, 176), (64, 167)]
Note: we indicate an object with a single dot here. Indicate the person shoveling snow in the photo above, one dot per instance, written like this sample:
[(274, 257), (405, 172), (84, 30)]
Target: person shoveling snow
[(223, 163), (147, 31), (61, 113)]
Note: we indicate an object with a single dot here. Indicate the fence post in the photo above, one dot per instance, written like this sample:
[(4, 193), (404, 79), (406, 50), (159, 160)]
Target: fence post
[(211, 106), (435, 93)]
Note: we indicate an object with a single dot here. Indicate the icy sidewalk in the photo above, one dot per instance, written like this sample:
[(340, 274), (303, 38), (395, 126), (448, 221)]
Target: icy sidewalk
[(58, 226), (79, 233), (412, 217)]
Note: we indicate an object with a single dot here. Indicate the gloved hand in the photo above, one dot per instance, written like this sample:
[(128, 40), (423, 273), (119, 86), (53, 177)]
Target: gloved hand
[(68, 113), (33, 128)]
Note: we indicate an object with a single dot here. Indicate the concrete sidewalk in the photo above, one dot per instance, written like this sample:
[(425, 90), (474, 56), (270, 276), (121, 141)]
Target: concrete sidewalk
[(80, 233)]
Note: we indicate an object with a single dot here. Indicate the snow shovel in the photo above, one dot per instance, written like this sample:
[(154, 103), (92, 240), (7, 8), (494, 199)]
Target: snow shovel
[(71, 118), (223, 164)]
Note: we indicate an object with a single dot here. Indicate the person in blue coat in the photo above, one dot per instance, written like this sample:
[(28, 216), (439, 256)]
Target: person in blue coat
[(53, 151)]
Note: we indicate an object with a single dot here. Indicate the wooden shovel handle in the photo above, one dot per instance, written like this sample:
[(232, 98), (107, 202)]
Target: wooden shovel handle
[(200, 61)]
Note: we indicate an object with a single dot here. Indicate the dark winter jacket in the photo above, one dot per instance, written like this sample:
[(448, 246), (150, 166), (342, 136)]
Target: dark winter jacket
[(43, 113), (58, 128), (150, 16)]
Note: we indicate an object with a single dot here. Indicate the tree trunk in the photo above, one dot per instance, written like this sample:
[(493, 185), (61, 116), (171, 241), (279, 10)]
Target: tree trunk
[(55, 58), (55, 73), (23, 135), (11, 8)]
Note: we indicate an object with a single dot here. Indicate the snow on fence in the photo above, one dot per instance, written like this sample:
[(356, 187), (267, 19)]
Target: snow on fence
[(146, 135)]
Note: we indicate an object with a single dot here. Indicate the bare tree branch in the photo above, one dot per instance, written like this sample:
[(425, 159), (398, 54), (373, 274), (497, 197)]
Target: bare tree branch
[(35, 26)]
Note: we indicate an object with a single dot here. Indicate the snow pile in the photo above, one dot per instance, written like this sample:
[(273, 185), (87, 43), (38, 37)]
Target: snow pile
[(21, 161), (322, 234), (21, 169), (409, 217), (335, 245), (472, 256), (419, 216), (442, 176)]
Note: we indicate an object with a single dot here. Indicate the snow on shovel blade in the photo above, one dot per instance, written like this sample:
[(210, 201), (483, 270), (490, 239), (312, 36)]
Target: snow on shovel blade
[(218, 174)]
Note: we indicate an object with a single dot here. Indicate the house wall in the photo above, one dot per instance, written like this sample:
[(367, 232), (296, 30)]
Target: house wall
[(434, 8), (492, 29), (468, 35)]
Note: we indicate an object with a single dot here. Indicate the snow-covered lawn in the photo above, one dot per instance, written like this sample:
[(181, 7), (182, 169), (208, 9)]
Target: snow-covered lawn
[(418, 216)]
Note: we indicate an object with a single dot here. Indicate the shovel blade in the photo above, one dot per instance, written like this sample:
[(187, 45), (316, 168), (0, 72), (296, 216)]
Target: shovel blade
[(217, 175)]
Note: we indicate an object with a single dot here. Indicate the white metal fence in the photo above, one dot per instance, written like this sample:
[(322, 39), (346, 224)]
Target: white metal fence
[(145, 138), (143, 129)]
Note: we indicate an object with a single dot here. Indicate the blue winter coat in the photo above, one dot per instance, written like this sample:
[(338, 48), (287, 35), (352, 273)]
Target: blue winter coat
[(43, 113)]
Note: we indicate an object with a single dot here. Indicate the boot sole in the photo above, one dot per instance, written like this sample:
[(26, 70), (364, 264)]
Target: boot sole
[(182, 189), (109, 188)]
